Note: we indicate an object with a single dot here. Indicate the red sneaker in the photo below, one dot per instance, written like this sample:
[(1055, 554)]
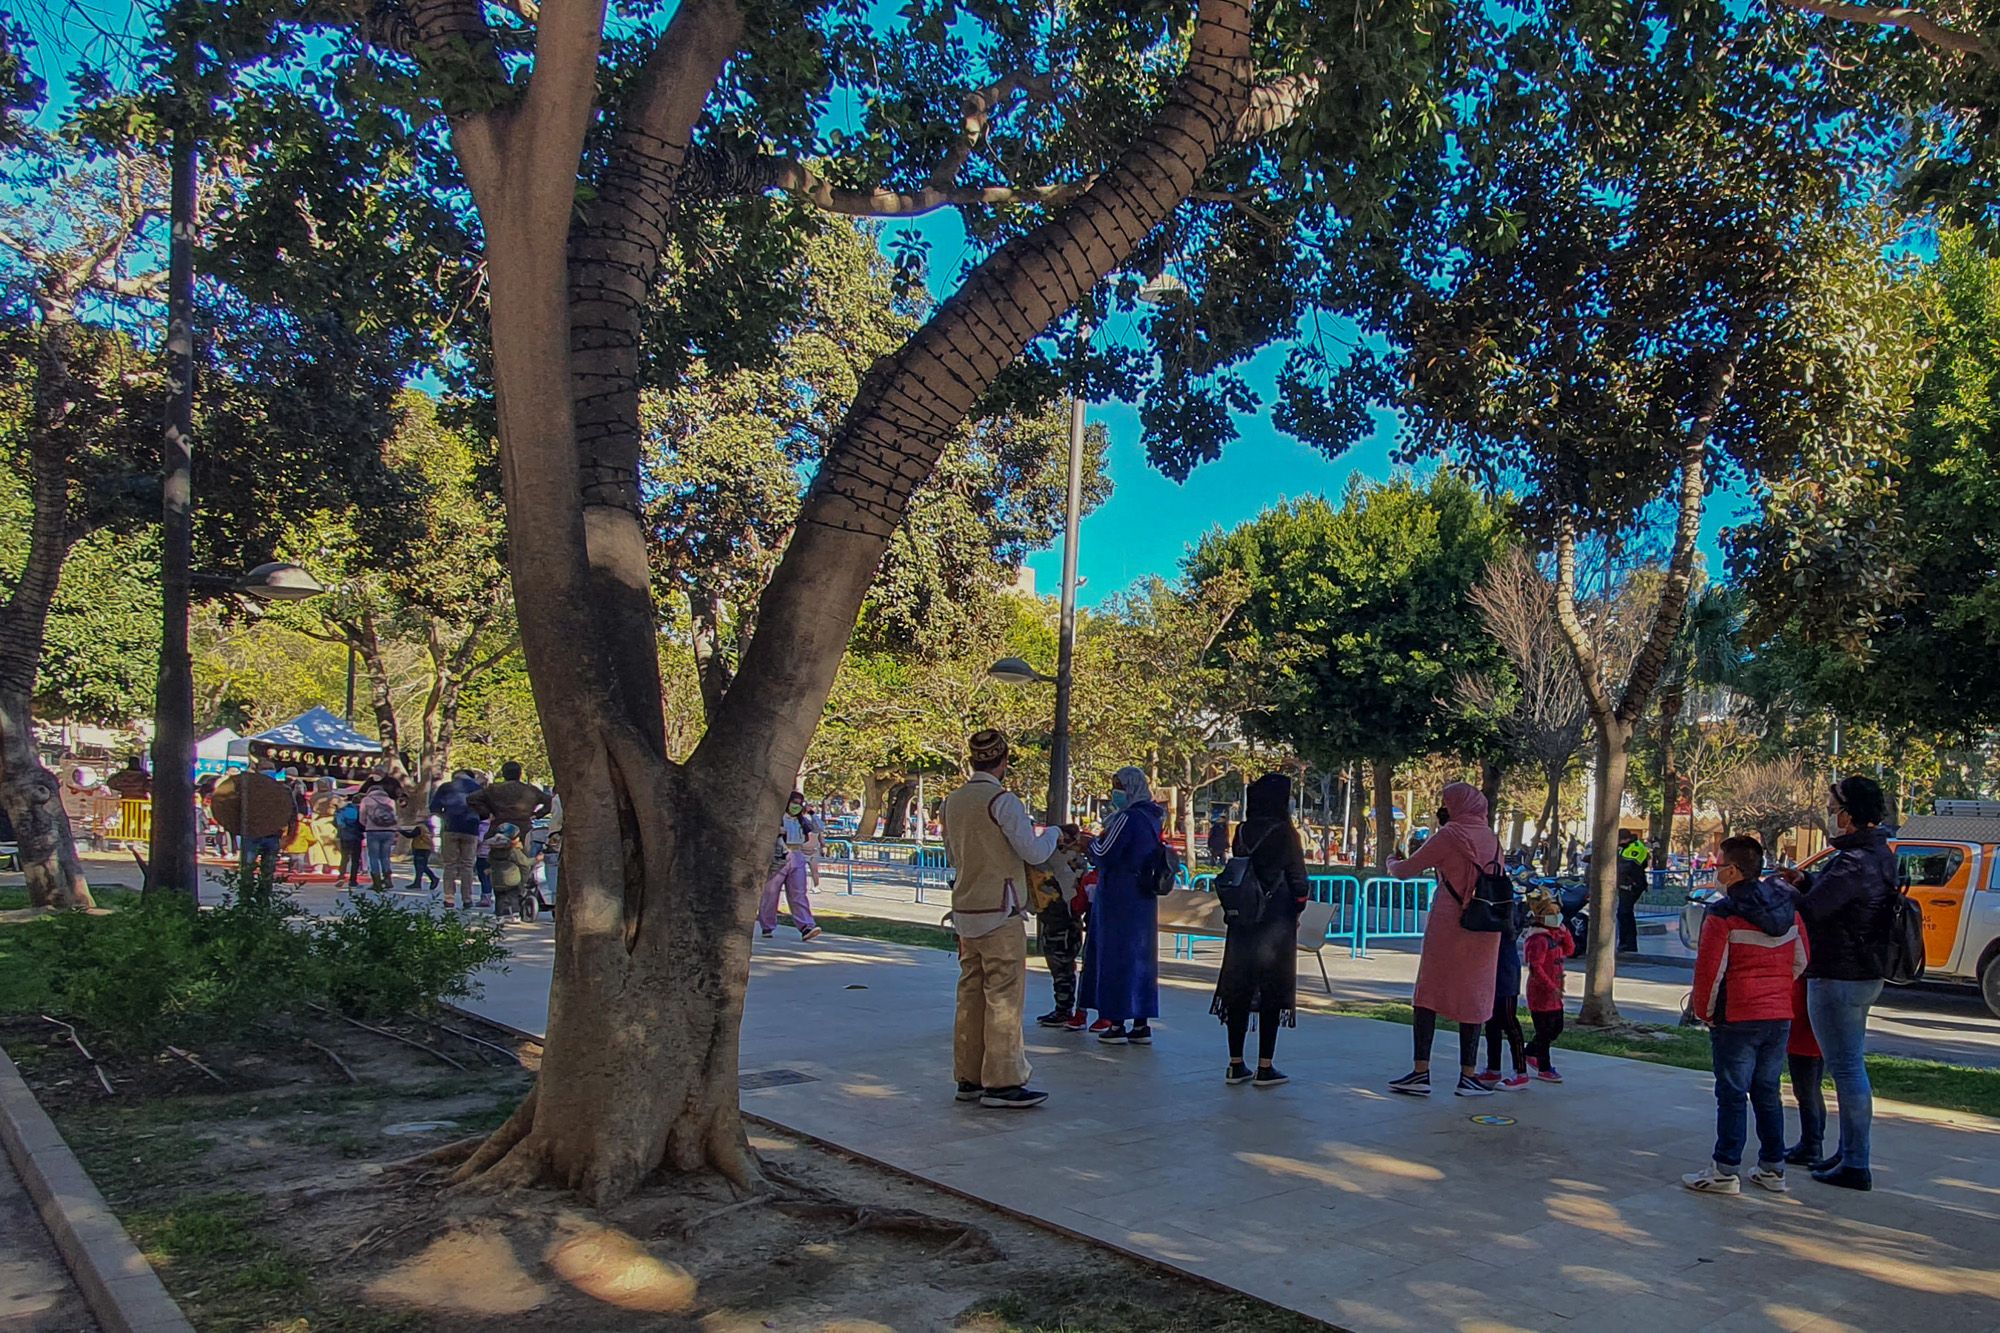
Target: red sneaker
[(1101, 1025), (1487, 1078), (1078, 1021)]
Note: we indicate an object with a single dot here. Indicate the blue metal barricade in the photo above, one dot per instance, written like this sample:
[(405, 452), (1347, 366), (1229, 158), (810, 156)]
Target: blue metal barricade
[(1392, 909), (1344, 893)]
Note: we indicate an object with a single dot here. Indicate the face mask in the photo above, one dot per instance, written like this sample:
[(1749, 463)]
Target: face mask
[(1120, 799), (793, 809), (1444, 816)]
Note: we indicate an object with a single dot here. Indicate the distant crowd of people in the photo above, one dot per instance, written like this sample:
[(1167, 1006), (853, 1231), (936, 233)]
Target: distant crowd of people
[(499, 842), (1788, 967)]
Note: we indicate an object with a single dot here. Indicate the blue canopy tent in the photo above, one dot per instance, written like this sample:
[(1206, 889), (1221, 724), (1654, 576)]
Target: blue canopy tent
[(316, 739)]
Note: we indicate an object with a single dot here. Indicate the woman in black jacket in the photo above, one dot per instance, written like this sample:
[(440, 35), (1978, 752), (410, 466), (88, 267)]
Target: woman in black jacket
[(1848, 908), (1260, 960)]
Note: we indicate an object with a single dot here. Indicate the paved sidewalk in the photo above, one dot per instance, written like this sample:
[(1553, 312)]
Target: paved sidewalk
[(1334, 1198), (37, 1294)]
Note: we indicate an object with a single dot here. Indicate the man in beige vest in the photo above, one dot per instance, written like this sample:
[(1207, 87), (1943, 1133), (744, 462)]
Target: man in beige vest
[(992, 842)]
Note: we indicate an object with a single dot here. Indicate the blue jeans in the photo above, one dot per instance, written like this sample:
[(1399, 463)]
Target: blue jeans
[(259, 856), (1839, 1011), (381, 845), (1749, 1059)]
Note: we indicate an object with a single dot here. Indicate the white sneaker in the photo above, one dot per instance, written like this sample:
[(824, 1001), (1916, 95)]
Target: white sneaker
[(1712, 1179), (1773, 1181)]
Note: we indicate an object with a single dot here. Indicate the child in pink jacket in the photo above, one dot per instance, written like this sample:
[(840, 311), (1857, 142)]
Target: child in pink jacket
[(1543, 948)]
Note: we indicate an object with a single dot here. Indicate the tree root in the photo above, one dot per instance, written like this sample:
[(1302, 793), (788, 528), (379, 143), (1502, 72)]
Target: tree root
[(810, 1200), (500, 1143), (392, 1036), (975, 1242), (448, 1154)]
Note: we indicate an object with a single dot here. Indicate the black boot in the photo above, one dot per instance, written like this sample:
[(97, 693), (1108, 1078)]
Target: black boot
[(1847, 1177)]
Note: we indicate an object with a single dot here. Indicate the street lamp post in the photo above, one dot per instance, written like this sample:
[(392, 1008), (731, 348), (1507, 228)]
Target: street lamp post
[(171, 864)]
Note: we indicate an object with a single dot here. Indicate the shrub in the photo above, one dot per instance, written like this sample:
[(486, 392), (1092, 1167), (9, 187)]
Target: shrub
[(381, 958), (158, 970)]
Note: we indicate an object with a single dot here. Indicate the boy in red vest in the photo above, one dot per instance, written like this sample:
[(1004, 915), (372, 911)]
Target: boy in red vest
[(1753, 947)]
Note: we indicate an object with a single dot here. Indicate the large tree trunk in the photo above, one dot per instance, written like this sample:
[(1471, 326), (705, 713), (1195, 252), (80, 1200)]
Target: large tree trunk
[(711, 658), (1549, 826), (1385, 813), (28, 791), (1490, 776), (33, 801), (896, 824), (1665, 775), (1614, 746), (652, 936), (875, 790)]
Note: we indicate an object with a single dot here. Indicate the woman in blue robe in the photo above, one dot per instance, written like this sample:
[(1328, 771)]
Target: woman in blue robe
[(1121, 961)]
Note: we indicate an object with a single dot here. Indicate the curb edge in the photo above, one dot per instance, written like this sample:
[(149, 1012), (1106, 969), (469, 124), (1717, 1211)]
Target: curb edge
[(119, 1286)]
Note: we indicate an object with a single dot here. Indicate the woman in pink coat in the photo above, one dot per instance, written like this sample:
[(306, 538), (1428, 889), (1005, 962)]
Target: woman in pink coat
[(1455, 971)]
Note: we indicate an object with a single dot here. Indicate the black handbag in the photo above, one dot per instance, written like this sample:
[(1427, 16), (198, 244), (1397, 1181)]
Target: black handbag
[(1490, 910)]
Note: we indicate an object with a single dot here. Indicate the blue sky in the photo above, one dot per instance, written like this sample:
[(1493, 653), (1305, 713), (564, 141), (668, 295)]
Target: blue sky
[(1150, 523)]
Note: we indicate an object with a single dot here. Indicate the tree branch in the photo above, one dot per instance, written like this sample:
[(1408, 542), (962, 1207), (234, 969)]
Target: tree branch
[(1588, 669), (977, 108), (794, 177), (1913, 21), (1276, 105), (1652, 658)]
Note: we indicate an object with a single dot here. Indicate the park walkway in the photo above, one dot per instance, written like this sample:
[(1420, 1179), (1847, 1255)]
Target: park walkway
[(1332, 1197)]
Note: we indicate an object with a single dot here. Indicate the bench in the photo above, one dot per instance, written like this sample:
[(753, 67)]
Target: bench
[(1190, 914)]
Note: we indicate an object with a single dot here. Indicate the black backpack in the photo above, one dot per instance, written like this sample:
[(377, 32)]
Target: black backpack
[(1245, 898), (1161, 874), (1490, 909), (1903, 952)]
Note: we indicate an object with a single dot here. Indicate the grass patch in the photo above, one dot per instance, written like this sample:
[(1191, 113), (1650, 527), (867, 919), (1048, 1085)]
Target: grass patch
[(1071, 1304), (892, 932), (1919, 1082)]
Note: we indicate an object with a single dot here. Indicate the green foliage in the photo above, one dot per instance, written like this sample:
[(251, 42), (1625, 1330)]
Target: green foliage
[(159, 970), (101, 648), (1648, 225), (1932, 662), (1358, 619), (380, 958)]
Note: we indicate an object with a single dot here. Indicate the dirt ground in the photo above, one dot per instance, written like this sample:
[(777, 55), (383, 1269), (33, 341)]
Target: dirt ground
[(266, 1189)]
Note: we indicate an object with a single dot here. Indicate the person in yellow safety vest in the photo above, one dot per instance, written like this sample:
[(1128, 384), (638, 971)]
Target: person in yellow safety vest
[(1633, 856)]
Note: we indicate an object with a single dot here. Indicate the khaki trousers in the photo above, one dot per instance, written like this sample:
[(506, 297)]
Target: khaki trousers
[(992, 984)]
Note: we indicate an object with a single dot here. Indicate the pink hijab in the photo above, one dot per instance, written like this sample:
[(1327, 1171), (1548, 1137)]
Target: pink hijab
[(1459, 850)]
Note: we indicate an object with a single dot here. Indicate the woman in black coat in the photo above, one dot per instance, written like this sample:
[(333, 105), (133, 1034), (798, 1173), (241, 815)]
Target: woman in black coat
[(1260, 960)]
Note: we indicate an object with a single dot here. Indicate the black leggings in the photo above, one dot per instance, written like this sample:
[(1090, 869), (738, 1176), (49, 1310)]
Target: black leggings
[(1506, 1022), (1808, 1090), (1548, 1026), (1238, 1024), (1425, 1028)]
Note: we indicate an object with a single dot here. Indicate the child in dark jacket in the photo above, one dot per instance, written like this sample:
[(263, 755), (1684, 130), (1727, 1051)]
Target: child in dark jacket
[(1808, 1070), (1543, 947), (1505, 1025), (1753, 949)]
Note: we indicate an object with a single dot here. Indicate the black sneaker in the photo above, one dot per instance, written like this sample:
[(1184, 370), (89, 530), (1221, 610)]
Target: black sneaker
[(1115, 1035), (1238, 1072), (1472, 1087), (1012, 1099), (1141, 1035), (1054, 1018), (1413, 1084), (1805, 1154), (1270, 1076), (968, 1092)]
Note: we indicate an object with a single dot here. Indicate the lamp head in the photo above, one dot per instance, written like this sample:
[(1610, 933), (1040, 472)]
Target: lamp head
[(278, 581), (1014, 671)]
